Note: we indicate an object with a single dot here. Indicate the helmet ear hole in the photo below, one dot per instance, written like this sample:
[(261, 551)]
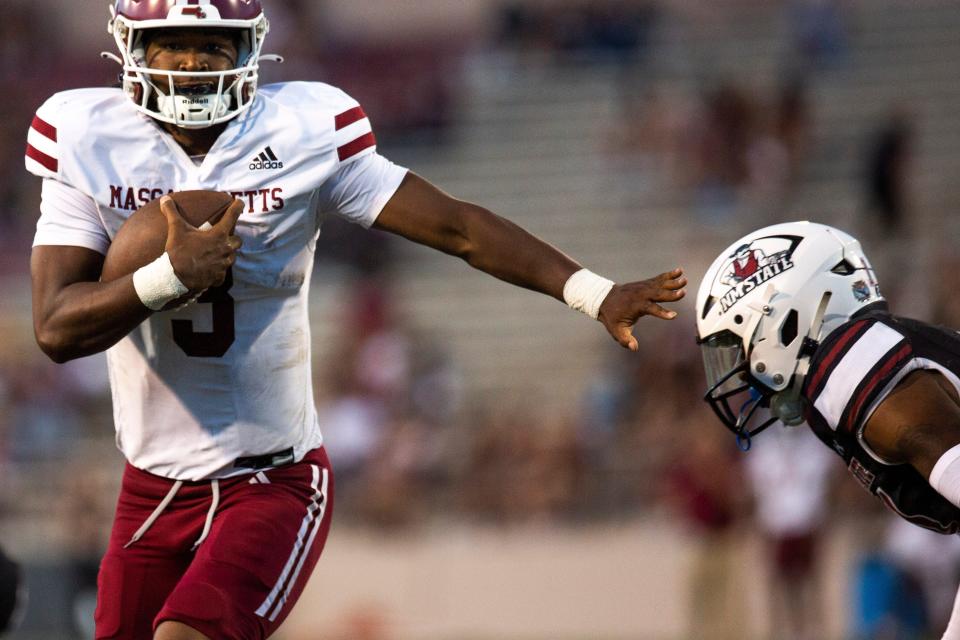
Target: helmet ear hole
[(738, 319), (789, 330), (843, 268), (707, 305)]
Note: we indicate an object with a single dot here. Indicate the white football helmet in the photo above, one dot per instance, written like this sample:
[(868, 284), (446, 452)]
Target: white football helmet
[(220, 95), (763, 307)]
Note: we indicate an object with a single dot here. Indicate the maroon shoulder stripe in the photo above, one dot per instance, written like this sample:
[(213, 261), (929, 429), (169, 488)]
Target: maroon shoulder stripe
[(44, 127), (47, 161), (353, 148), (347, 118), (896, 359), (835, 351)]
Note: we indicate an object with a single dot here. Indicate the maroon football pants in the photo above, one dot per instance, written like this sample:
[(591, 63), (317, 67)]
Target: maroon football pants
[(266, 531)]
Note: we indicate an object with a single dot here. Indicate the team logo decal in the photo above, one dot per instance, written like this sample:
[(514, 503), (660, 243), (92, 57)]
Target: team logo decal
[(193, 8), (861, 291), (752, 264), (868, 288)]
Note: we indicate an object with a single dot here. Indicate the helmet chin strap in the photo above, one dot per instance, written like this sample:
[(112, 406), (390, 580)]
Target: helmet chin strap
[(787, 405)]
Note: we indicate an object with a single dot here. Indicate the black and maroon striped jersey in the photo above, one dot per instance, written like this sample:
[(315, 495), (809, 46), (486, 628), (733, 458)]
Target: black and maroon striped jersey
[(850, 374)]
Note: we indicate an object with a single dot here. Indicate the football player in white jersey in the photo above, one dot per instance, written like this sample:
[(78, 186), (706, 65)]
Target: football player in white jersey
[(227, 495), (807, 337)]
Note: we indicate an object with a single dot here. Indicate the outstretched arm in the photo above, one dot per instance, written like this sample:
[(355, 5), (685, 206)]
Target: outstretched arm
[(423, 213)]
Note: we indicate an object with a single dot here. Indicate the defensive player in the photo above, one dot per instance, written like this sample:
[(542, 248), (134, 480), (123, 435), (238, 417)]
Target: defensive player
[(226, 500), (808, 337)]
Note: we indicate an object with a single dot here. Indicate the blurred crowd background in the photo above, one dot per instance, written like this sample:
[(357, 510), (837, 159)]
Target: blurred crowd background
[(637, 135)]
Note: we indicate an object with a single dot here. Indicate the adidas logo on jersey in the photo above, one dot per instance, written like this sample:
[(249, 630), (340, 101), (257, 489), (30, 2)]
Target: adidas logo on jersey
[(266, 160)]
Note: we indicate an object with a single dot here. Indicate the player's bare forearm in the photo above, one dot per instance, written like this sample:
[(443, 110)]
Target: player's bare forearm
[(75, 315), (421, 212), (506, 251)]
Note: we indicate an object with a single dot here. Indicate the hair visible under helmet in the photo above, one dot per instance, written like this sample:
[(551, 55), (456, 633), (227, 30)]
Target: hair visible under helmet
[(763, 307), (226, 94)]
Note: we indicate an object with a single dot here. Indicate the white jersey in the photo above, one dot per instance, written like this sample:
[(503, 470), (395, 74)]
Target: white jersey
[(229, 376)]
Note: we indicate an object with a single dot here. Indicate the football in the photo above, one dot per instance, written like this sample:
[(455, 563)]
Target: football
[(143, 237)]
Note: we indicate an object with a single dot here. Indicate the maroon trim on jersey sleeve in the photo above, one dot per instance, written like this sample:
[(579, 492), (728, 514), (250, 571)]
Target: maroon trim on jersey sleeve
[(347, 118), (44, 128), (353, 148), (880, 374), (832, 357), (47, 161)]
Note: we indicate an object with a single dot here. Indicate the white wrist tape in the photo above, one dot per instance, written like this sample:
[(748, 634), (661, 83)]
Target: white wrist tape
[(157, 284), (945, 477), (585, 291)]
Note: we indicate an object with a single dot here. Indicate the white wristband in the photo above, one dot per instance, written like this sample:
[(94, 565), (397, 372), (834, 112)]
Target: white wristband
[(585, 291), (157, 283), (945, 476)]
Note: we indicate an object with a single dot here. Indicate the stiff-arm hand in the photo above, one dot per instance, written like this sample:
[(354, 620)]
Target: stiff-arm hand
[(627, 303)]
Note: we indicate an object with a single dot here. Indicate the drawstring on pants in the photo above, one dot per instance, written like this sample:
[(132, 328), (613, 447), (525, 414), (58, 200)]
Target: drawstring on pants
[(214, 503), (215, 486)]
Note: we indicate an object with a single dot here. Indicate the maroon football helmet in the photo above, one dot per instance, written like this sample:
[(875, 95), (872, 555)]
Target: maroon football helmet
[(223, 94)]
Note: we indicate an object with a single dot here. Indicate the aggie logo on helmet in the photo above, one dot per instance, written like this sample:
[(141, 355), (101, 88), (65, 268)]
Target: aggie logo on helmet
[(752, 264), (266, 160)]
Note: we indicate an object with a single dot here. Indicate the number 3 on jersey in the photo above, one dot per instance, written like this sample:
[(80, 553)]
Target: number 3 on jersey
[(209, 344)]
